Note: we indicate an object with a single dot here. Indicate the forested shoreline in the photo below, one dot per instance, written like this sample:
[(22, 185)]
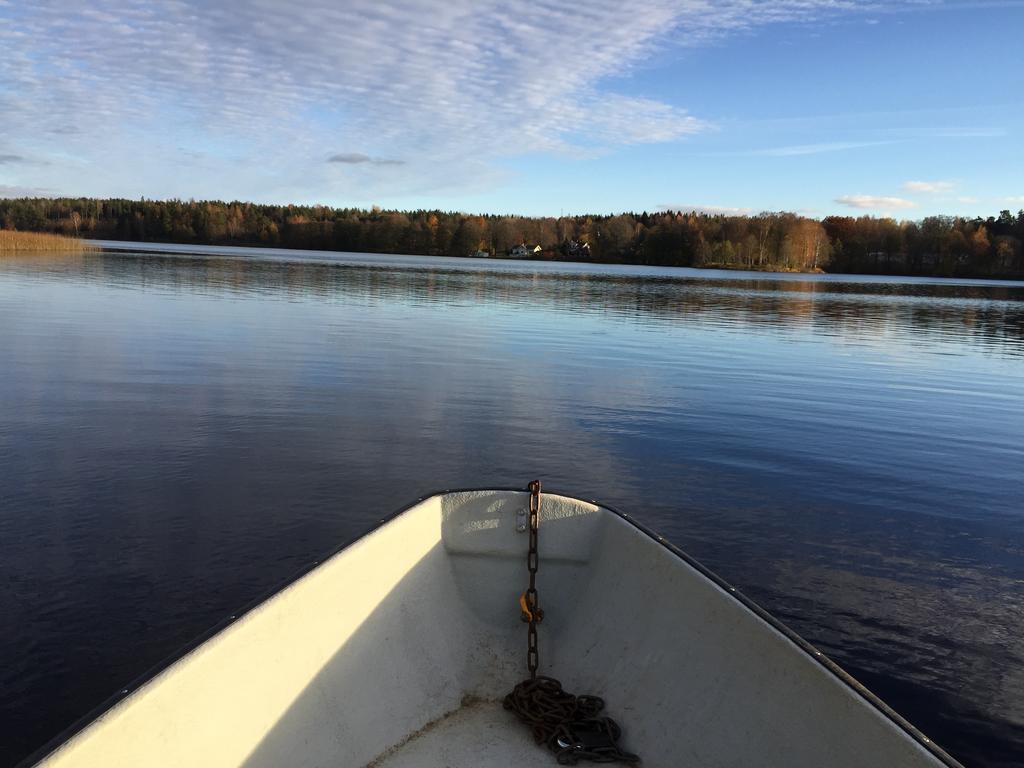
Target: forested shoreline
[(935, 245)]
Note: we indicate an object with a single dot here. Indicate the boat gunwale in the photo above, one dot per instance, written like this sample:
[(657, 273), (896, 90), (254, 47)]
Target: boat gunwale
[(80, 724), (810, 650)]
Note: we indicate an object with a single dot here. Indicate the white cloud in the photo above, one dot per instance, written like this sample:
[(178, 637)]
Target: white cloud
[(931, 187), (264, 91), (712, 210), (874, 202), (968, 133), (1015, 199), (817, 149), (14, 190), (967, 200)]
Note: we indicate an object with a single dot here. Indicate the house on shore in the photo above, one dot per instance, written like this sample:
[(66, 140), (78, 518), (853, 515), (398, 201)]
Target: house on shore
[(523, 251), (575, 249)]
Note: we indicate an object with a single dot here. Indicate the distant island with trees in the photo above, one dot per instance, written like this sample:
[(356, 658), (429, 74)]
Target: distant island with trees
[(935, 245)]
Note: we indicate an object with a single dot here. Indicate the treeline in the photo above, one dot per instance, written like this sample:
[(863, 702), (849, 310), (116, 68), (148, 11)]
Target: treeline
[(936, 245)]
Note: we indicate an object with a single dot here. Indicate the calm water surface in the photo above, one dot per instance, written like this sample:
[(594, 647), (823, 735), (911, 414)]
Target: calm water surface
[(178, 433)]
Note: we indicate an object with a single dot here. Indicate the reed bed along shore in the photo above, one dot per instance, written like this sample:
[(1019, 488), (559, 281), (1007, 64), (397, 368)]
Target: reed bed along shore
[(14, 241)]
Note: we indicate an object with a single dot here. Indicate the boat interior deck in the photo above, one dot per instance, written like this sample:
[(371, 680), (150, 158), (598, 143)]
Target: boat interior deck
[(478, 733)]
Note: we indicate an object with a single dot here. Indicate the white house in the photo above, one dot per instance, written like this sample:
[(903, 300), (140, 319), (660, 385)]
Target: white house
[(524, 251), (578, 250)]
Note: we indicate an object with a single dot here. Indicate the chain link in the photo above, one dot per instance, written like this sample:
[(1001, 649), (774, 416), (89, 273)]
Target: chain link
[(536, 615)]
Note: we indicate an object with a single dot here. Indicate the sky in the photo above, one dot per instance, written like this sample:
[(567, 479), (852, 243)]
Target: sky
[(903, 108)]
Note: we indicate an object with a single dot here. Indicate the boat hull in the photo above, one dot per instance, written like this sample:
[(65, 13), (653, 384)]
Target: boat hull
[(397, 649)]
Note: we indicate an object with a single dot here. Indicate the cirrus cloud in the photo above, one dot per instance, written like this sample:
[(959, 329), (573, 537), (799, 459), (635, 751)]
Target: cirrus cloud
[(817, 149), (931, 187), (875, 202), (15, 190), (260, 89), (358, 158)]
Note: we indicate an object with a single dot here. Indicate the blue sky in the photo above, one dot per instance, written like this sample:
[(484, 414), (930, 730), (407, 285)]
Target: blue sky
[(904, 107)]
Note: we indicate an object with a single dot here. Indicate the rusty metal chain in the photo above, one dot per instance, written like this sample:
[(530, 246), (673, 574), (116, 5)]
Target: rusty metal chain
[(533, 614), (568, 725)]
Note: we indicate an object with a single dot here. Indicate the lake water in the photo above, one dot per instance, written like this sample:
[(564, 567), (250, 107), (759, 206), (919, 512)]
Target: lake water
[(179, 433)]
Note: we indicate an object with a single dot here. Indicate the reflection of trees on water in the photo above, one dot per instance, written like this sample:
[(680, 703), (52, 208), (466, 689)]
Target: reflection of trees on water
[(991, 315)]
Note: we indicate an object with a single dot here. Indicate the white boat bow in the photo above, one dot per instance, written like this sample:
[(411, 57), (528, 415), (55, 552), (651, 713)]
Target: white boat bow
[(397, 650)]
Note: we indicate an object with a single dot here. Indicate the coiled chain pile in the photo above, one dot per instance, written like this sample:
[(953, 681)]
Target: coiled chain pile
[(567, 725)]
